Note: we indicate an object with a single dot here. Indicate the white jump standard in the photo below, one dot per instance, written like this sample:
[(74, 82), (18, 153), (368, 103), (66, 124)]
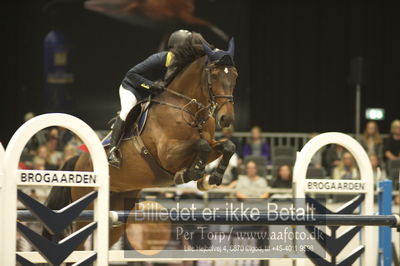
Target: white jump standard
[(14, 177)]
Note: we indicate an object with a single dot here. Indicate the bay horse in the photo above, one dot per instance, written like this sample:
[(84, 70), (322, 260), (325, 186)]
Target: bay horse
[(179, 133)]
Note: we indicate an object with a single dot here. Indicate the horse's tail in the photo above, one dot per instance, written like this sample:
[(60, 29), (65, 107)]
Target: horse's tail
[(60, 197)]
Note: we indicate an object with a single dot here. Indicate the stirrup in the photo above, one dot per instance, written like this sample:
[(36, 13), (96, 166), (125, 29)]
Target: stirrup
[(115, 157)]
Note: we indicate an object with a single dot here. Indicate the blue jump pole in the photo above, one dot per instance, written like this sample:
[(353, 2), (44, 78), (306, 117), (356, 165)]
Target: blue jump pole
[(385, 232)]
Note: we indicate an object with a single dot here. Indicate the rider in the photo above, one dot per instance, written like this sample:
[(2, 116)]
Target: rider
[(138, 84)]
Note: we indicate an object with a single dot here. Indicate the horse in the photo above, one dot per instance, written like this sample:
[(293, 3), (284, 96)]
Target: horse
[(179, 135)]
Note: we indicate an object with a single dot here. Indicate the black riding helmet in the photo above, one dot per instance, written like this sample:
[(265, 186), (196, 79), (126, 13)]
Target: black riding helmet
[(177, 38)]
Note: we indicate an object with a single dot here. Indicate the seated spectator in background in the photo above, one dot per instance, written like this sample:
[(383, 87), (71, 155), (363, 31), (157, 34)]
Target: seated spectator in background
[(64, 136), (392, 146), (43, 153), (379, 173), (284, 177), (347, 168), (257, 146), (55, 156), (371, 140), (70, 151), (316, 160), (333, 156), (75, 141), (250, 186), (227, 133), (38, 163)]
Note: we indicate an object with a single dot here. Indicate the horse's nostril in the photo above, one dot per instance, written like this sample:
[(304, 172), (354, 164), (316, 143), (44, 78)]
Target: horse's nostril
[(225, 121)]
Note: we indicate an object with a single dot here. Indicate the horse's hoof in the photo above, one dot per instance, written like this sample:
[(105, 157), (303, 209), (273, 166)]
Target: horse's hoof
[(179, 177), (203, 184)]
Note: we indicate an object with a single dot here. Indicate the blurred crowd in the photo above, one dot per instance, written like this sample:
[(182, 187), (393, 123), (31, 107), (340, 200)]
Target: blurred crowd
[(50, 148), (255, 164)]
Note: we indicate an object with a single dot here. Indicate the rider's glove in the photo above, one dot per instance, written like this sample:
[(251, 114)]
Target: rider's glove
[(157, 87)]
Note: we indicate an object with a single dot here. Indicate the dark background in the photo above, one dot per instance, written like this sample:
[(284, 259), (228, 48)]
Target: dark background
[(293, 59)]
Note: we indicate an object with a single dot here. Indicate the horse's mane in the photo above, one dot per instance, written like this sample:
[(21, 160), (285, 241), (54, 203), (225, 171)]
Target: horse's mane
[(185, 54)]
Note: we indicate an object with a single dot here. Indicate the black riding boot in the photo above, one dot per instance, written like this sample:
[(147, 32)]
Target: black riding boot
[(114, 156)]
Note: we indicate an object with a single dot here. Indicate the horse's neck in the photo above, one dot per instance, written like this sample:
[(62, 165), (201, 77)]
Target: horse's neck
[(190, 81)]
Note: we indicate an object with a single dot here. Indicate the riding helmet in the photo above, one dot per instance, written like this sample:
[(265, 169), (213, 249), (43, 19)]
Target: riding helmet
[(177, 38)]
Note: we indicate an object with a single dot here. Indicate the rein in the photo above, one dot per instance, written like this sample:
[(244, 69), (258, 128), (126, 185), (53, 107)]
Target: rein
[(213, 107)]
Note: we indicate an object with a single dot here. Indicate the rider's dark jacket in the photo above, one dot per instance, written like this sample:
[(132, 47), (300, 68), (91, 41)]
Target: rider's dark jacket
[(141, 77)]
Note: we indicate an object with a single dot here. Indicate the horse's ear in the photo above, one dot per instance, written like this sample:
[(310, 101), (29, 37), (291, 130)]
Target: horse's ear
[(231, 47), (209, 52)]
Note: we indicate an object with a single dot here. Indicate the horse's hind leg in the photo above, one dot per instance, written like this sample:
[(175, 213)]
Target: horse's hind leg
[(225, 147)]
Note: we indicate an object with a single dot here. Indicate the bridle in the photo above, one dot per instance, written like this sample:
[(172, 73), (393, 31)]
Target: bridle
[(215, 107), (212, 107)]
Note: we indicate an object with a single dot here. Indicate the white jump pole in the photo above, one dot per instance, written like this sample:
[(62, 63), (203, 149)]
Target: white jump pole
[(12, 181)]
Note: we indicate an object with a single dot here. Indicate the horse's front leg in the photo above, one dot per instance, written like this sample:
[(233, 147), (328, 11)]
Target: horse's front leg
[(197, 169), (181, 152), (225, 147)]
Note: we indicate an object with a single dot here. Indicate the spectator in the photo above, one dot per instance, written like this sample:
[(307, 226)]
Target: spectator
[(38, 163), (371, 140), (53, 133), (55, 156), (333, 155), (75, 141), (284, 177), (347, 168), (227, 133), (70, 151), (250, 186), (379, 174), (64, 136), (43, 153), (392, 147), (257, 146)]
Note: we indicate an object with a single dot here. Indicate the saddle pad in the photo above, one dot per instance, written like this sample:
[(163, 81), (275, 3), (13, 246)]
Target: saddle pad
[(129, 133)]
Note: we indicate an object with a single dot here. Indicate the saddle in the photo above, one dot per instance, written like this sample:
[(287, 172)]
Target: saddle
[(135, 122), (134, 125)]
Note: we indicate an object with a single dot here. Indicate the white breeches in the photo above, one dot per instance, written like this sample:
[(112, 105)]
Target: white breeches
[(128, 101)]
